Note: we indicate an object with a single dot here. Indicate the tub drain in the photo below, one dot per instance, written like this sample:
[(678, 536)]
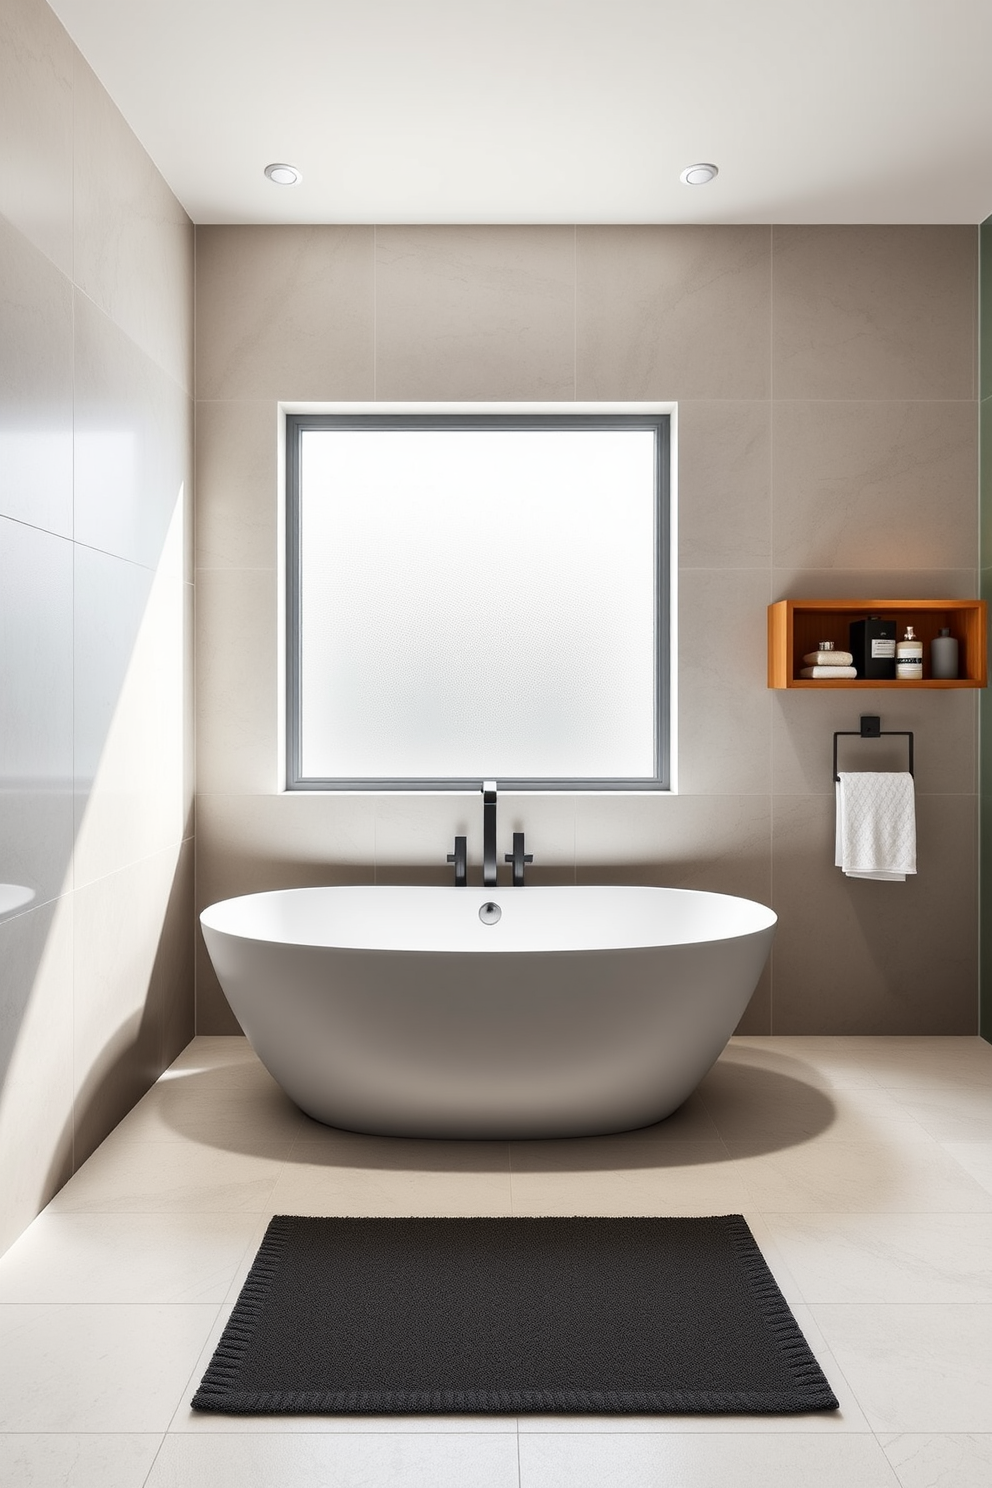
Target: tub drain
[(489, 913)]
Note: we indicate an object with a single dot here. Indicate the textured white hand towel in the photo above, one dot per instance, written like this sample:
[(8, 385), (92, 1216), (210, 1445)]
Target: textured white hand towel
[(876, 824), (828, 673), (829, 658)]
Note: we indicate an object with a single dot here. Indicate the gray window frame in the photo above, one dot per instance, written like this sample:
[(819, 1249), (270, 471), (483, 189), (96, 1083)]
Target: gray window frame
[(659, 423)]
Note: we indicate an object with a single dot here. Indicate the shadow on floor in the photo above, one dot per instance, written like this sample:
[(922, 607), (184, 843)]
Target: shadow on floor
[(758, 1100)]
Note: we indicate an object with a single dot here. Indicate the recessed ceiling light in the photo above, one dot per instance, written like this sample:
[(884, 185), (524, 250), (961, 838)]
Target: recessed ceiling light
[(283, 175), (698, 175)]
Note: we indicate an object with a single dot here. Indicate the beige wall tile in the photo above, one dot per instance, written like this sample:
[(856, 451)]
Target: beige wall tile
[(120, 982), (718, 843), (133, 243), (475, 312), (35, 386), (238, 705), (875, 484), (672, 312), (129, 713), (36, 1062), (133, 436), (874, 583), (284, 312), (852, 956), (237, 481), (724, 484), (945, 738), (724, 704), (36, 61), (874, 312)]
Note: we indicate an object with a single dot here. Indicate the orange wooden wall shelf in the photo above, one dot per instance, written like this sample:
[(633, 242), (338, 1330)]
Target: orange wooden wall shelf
[(795, 626)]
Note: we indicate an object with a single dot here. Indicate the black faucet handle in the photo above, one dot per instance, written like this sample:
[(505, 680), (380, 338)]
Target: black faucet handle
[(518, 858), (460, 859)]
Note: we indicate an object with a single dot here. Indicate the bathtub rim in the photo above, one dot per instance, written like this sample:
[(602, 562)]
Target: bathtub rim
[(766, 920)]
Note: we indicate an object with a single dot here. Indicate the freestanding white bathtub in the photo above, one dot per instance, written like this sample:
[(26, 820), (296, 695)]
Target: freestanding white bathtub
[(400, 1011)]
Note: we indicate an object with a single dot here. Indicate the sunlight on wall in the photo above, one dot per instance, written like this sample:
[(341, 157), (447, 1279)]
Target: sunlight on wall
[(90, 996)]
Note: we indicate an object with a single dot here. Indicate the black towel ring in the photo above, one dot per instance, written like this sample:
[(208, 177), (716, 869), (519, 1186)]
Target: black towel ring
[(871, 728)]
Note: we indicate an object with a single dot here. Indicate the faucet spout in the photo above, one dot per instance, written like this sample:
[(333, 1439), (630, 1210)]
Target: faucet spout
[(489, 832)]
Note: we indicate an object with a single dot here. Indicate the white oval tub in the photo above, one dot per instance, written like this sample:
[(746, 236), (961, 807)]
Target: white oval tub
[(395, 1010)]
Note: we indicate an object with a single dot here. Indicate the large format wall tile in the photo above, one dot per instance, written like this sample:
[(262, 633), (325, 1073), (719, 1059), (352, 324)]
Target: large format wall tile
[(239, 712), (724, 709), (133, 243), (36, 712), (35, 1061), (129, 721), (874, 312), (874, 583), (36, 58), (672, 312), (724, 484), (124, 978), (133, 428), (284, 312), (475, 312), (35, 386), (887, 485), (96, 667), (943, 726), (237, 482), (853, 956)]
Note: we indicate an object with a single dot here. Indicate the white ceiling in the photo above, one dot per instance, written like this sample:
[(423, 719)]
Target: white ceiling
[(556, 110)]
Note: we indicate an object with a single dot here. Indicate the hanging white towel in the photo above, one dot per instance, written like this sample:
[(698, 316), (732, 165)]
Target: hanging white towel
[(876, 824)]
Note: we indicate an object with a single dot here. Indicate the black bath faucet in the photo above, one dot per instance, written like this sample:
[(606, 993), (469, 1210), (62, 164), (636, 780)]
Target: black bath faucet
[(489, 832), (518, 858), (460, 859)]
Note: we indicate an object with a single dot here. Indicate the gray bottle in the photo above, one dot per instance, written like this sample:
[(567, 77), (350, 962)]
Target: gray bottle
[(944, 656)]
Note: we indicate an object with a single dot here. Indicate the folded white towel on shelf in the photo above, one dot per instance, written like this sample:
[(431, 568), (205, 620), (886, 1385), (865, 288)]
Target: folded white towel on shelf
[(876, 824), (829, 658), (828, 672)]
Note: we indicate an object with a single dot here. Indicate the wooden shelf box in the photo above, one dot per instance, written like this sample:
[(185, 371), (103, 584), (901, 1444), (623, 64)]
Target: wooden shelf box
[(795, 626)]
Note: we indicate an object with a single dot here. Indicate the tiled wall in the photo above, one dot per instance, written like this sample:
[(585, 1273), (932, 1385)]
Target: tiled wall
[(985, 445), (825, 378), (96, 269)]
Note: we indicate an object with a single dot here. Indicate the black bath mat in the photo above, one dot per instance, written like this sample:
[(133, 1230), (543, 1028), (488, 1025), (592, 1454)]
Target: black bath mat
[(418, 1316)]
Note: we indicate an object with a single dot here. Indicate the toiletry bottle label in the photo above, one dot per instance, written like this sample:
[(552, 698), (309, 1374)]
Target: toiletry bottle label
[(884, 648)]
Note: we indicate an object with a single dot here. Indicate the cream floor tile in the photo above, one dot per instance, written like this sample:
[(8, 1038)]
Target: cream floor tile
[(235, 1104), (691, 1460), (169, 1177), (758, 1111), (96, 1368), (345, 1173), (956, 1112), (907, 1063), (76, 1459), (824, 1061), (661, 1178), (126, 1258), (975, 1158), (319, 1459), (834, 1177), (948, 1461), (923, 1368), (208, 1051), (848, 1418), (887, 1257)]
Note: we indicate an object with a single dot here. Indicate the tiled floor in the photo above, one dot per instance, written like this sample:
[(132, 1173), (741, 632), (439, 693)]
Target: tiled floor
[(864, 1167)]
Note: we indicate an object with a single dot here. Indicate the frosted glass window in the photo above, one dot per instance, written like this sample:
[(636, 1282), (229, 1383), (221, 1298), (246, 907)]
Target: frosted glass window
[(476, 598)]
